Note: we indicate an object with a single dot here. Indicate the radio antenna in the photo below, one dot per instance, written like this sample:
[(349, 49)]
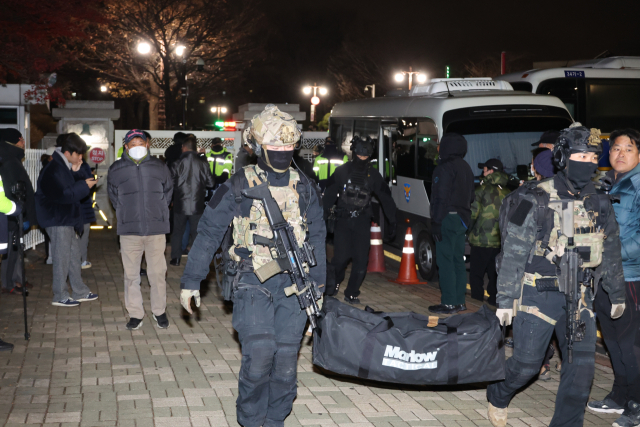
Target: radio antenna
[(448, 91)]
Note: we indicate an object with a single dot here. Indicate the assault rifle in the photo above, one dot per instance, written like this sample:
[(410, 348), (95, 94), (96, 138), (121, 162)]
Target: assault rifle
[(287, 256), (568, 280)]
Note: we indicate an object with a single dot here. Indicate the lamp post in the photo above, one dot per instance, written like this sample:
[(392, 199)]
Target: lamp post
[(373, 90), (420, 76), (315, 100), (218, 109)]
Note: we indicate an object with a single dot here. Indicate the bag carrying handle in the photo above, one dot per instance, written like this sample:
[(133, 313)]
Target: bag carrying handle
[(370, 341)]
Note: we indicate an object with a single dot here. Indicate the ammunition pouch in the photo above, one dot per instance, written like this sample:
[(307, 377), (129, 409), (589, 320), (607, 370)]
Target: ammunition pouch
[(232, 272), (547, 285)]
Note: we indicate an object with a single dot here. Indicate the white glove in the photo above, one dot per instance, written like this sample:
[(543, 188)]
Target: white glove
[(617, 310), (505, 315), (185, 298)]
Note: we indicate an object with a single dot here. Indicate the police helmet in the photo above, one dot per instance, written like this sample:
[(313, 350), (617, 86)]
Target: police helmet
[(271, 127), (362, 147), (575, 139)]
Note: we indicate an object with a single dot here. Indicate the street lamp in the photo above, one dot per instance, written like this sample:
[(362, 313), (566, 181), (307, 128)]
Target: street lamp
[(421, 77), (218, 109), (180, 50), (373, 90), (103, 88), (144, 48), (314, 100)]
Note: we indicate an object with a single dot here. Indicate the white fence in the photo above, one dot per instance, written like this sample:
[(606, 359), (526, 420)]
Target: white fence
[(33, 166)]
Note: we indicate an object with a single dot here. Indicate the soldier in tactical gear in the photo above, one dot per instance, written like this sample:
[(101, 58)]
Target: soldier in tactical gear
[(535, 223), (269, 324), (355, 182)]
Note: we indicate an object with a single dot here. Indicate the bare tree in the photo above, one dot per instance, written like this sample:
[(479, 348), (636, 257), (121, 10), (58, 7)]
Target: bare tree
[(199, 43), (489, 66)]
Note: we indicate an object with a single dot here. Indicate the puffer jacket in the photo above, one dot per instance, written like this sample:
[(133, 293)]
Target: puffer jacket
[(485, 211), (140, 192), (191, 178), (628, 216)]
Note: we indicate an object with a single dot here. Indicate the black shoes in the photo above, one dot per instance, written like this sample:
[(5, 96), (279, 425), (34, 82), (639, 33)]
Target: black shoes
[(630, 417), (5, 346), (175, 262), (134, 324), (162, 321), (185, 253), (143, 271), (447, 309), (352, 300)]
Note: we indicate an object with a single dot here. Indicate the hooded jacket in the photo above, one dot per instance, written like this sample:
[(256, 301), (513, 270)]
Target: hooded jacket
[(628, 216), (12, 171), (452, 183), (484, 230)]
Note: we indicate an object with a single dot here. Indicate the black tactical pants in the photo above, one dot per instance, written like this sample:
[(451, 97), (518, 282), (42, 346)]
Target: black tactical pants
[(483, 260), (623, 343), (270, 327), (351, 241), (531, 335)]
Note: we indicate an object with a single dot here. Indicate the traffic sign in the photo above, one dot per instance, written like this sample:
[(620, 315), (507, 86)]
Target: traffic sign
[(97, 155)]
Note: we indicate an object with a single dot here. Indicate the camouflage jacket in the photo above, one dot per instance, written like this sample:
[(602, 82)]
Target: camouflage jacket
[(484, 230), (518, 221)]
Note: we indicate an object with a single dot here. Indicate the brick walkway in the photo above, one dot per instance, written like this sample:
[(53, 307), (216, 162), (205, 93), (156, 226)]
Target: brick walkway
[(82, 367)]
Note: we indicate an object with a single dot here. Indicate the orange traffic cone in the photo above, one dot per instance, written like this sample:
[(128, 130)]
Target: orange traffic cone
[(407, 274), (376, 253)]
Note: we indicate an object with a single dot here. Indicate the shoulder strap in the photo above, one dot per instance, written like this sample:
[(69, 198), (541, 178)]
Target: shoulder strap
[(252, 176), (236, 186)]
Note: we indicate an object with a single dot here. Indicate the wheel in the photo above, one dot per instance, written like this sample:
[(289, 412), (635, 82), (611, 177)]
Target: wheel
[(426, 256)]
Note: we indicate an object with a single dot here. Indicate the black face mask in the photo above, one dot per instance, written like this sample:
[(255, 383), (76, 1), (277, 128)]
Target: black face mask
[(580, 173), (358, 162), (278, 160), (216, 148)]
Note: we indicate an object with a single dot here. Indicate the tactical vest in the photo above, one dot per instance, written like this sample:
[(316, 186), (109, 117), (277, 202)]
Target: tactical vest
[(588, 227), (257, 223), (356, 194)]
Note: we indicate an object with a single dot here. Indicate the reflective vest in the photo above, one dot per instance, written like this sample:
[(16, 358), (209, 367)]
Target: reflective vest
[(120, 151), (374, 163), (257, 223), (220, 162), (324, 167)]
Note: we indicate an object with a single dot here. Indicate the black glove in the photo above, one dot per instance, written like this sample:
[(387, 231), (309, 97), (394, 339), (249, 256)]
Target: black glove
[(391, 232), (436, 232)]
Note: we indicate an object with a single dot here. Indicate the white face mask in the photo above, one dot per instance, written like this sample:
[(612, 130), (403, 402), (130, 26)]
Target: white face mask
[(138, 152), (533, 172)]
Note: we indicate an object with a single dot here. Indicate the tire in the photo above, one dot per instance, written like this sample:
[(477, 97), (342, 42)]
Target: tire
[(425, 251)]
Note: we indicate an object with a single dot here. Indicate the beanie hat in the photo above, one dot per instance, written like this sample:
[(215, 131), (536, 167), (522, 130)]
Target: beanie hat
[(543, 164), (11, 135)]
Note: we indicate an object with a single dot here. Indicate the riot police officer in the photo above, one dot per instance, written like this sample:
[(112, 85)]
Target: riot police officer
[(220, 161), (269, 324), (355, 183), (529, 277)]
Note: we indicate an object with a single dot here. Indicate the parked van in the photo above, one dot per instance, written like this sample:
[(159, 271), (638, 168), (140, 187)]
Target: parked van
[(497, 122)]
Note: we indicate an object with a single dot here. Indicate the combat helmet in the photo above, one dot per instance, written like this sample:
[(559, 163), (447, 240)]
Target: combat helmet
[(362, 147), (271, 127), (575, 139)]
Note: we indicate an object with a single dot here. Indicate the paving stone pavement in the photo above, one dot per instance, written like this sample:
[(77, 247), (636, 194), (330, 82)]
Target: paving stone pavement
[(82, 367)]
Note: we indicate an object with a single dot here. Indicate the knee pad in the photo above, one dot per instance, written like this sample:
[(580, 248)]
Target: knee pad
[(257, 358), (286, 362)]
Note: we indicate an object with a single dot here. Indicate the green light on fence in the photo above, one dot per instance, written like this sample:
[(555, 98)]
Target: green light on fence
[(219, 124), (426, 139), (448, 72)]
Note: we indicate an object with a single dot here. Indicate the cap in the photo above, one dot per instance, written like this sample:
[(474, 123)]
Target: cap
[(494, 164), (135, 133), (549, 137)]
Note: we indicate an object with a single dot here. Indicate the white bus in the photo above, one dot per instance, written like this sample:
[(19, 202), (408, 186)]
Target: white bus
[(602, 93), (497, 122)]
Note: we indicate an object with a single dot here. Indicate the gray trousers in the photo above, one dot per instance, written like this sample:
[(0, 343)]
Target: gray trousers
[(270, 327), (65, 249), (11, 270), (84, 243)]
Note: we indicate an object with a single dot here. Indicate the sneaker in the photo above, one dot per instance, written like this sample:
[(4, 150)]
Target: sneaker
[(309, 332), (185, 253), (17, 290), (606, 406), (69, 302), (5, 346), (162, 321), (143, 272), (134, 324), (49, 261), (447, 308), (508, 342), (559, 366), (545, 373), (90, 297), (352, 300), (85, 265), (175, 262), (497, 416), (630, 417)]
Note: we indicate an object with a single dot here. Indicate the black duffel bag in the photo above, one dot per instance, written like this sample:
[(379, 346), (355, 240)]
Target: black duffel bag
[(409, 348)]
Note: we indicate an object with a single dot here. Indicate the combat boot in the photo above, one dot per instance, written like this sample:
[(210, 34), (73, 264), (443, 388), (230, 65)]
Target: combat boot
[(497, 416)]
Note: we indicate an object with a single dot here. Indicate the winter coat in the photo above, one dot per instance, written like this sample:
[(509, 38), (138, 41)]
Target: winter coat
[(191, 178), (628, 216), (172, 154), (484, 230), (86, 204), (12, 171), (140, 192), (59, 193), (452, 188)]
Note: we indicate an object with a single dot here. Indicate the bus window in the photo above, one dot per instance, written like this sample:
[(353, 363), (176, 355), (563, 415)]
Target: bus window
[(404, 148), (365, 128), (570, 92), (342, 132), (523, 86), (427, 148), (613, 104)]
